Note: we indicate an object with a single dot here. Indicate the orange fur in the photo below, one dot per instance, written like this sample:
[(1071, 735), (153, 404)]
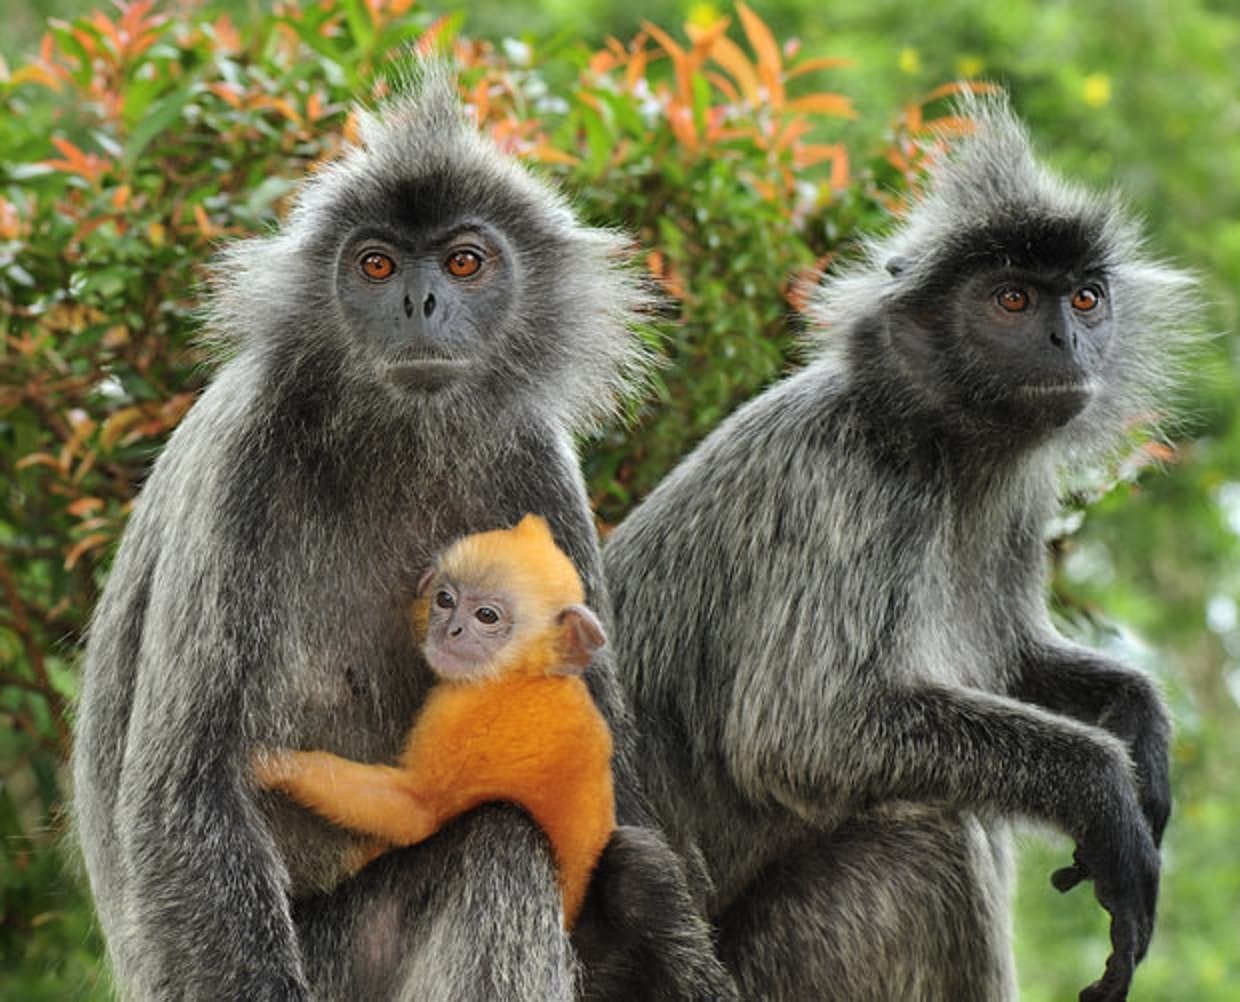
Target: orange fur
[(527, 734)]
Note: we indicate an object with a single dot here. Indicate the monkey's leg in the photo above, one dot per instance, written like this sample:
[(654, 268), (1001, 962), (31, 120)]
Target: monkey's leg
[(911, 907), (373, 799)]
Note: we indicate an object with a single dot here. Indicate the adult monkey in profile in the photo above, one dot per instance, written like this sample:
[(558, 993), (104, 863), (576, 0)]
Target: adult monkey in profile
[(411, 354), (831, 618)]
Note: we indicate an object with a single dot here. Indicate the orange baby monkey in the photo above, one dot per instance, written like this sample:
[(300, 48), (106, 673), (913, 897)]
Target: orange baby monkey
[(501, 619)]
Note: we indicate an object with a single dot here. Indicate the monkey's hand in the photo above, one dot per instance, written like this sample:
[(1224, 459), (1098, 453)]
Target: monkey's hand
[(642, 926), (1118, 852)]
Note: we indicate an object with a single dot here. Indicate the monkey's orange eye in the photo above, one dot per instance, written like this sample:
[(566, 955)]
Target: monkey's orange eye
[(444, 600), (377, 266), (1013, 300), (1085, 299), (487, 615), (463, 263)]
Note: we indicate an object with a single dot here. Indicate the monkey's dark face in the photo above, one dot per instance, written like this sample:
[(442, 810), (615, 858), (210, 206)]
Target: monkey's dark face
[(467, 630), (1021, 348), (1035, 343), (426, 303)]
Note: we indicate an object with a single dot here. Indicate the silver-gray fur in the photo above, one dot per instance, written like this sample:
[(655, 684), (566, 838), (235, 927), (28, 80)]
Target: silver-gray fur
[(260, 596), (831, 617)]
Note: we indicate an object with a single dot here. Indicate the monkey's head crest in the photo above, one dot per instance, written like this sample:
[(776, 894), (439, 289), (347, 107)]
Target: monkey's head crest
[(989, 204), (549, 318), (524, 559)]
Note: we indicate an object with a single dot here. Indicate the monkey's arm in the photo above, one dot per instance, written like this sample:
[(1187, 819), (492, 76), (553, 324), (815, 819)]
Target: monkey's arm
[(375, 800), (1087, 686), (974, 750)]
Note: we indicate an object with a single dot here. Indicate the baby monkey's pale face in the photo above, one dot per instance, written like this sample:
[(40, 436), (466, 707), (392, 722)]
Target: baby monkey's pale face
[(467, 629)]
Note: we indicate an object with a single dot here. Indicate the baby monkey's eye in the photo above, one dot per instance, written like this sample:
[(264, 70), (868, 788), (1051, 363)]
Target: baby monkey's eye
[(377, 266), (1013, 300), (487, 615), (463, 263), (444, 600), (1086, 299)]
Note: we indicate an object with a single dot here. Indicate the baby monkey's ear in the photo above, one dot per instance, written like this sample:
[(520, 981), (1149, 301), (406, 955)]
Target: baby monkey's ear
[(424, 581), (581, 634)]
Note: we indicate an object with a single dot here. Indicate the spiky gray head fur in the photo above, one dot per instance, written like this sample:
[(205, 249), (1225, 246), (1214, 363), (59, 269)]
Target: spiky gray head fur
[(989, 196), (570, 342)]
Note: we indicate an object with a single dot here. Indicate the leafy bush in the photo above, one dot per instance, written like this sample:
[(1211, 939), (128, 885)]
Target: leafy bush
[(135, 142)]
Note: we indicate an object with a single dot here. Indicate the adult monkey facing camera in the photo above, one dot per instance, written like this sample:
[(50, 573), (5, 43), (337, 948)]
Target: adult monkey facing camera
[(411, 354), (831, 617)]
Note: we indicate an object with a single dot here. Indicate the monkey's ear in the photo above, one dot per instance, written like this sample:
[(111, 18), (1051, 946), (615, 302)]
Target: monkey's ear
[(425, 580), (581, 634)]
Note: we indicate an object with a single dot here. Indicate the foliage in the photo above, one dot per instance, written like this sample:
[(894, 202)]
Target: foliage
[(135, 141)]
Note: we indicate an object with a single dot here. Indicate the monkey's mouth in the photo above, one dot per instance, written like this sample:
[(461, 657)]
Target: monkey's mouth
[(423, 371), (1082, 389)]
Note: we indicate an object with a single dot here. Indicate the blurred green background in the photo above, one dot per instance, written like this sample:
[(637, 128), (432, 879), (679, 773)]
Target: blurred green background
[(119, 175)]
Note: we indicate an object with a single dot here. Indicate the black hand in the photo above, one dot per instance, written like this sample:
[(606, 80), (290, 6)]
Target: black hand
[(1124, 865)]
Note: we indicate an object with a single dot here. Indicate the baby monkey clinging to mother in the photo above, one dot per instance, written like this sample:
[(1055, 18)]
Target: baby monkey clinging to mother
[(502, 622)]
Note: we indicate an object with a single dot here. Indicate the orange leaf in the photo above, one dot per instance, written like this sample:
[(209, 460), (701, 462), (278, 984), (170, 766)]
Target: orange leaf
[(35, 74), (792, 130), (602, 63), (84, 546), (617, 47), (960, 87), (116, 426), (680, 118), (636, 70), (40, 459), (950, 126), (680, 60), (230, 94), (666, 42), (818, 63), (725, 85), (730, 56), (204, 224), (824, 104), (227, 40), (10, 222), (704, 39), (812, 154), (430, 37), (548, 154), (770, 62)]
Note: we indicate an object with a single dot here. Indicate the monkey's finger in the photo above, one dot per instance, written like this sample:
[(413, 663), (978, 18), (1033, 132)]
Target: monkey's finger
[(1113, 985), (1068, 877)]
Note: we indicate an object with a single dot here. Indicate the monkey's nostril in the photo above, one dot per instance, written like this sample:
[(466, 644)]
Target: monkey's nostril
[(1057, 339), (428, 307), (409, 307)]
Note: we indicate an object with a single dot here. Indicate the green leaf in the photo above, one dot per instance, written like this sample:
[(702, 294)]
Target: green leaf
[(160, 116)]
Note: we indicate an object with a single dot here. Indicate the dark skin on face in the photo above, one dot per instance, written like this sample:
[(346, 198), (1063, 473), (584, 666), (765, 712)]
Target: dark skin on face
[(1027, 344), (423, 298)]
